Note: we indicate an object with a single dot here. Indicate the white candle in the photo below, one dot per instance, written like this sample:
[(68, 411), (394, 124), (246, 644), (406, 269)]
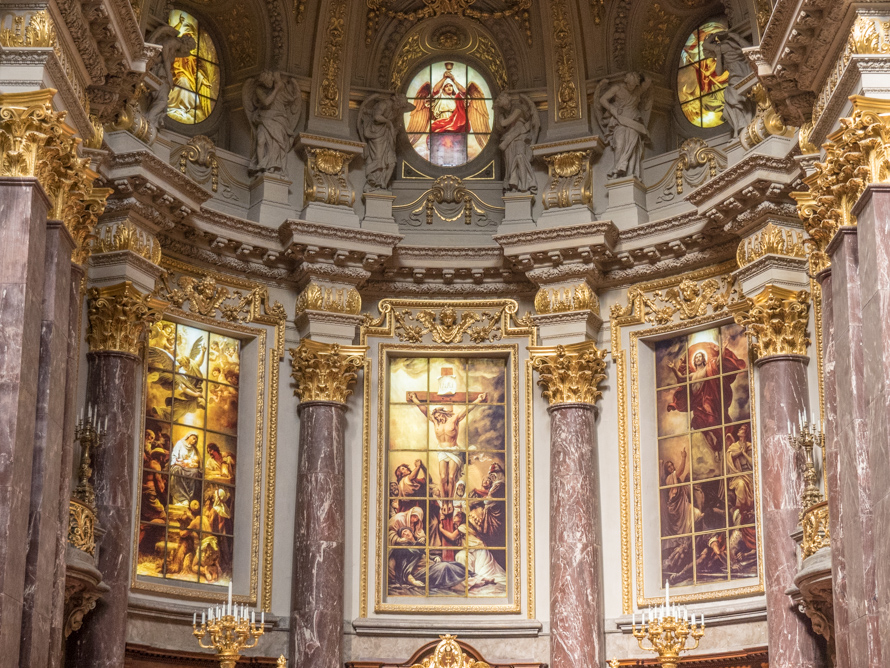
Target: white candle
[(667, 593), (702, 619), (253, 617), (693, 620), (633, 621), (203, 618), (263, 617), (230, 596), (194, 619)]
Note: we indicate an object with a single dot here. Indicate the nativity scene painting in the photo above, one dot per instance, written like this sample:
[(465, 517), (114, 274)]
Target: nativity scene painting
[(447, 481), (189, 455), (705, 457)]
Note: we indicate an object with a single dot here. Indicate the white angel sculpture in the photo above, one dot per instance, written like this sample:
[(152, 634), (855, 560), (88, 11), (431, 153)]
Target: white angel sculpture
[(173, 46), (272, 102), (726, 46), (378, 128), (517, 119), (622, 111), (449, 107)]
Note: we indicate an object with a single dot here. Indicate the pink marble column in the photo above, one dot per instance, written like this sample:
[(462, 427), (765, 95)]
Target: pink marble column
[(111, 387), (23, 206), (43, 521), (851, 517), (783, 396), (319, 534), (873, 216), (576, 598)]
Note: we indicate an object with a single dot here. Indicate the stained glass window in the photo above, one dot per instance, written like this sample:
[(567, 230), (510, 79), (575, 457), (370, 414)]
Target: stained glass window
[(705, 457), (195, 77), (700, 86), (447, 525), (189, 452), (453, 115)]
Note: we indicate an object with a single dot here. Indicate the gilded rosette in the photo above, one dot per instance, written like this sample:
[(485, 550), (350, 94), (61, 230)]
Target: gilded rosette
[(776, 322), (569, 373), (325, 371), (120, 317)]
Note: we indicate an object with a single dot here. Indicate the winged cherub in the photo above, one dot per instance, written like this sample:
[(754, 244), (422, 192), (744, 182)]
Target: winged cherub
[(449, 107), (183, 376)]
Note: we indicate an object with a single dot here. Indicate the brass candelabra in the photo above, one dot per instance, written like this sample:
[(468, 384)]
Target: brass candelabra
[(668, 629), (230, 629), (804, 440)]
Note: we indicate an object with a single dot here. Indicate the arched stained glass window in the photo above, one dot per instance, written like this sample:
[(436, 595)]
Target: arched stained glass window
[(452, 116), (195, 77), (699, 86)]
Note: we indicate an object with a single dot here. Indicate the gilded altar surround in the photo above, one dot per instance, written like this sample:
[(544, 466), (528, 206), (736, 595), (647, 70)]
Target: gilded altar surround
[(444, 333)]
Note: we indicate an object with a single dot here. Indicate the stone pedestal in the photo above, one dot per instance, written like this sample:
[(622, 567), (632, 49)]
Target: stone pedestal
[(627, 203), (378, 212), (517, 213), (782, 388), (270, 199), (22, 250)]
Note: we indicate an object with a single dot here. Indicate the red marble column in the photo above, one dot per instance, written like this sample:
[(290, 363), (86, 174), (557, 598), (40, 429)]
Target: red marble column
[(873, 216), (319, 538), (851, 517), (43, 520), (576, 597), (111, 387), (783, 396), (22, 247)]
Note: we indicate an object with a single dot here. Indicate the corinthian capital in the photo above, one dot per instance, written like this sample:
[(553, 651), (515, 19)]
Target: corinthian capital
[(570, 373), (777, 322), (325, 371), (119, 318)]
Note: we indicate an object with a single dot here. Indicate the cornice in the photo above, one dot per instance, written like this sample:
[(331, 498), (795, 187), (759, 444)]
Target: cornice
[(184, 249), (567, 233), (290, 230), (167, 176), (733, 175), (693, 260), (235, 224)]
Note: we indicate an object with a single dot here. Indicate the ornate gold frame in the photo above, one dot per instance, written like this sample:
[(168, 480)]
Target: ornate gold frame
[(500, 316), (251, 312), (712, 299)]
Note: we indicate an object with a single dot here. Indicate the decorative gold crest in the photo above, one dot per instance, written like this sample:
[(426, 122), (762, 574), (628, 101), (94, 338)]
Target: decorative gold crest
[(448, 654)]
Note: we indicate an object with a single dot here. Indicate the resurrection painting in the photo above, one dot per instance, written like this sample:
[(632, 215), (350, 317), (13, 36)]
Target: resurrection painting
[(699, 85), (189, 454), (705, 457), (195, 77), (447, 477), (453, 115)]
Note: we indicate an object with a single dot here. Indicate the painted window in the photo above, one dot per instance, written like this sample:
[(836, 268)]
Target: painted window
[(447, 523), (705, 457), (700, 86), (188, 454), (452, 116), (195, 77)]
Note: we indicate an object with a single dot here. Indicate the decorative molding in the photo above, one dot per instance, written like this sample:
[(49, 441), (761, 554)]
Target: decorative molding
[(325, 372), (125, 236), (449, 190), (81, 527), (39, 32), (325, 177), (449, 654), (570, 179), (661, 27), (332, 300), (693, 155), (776, 322), (238, 29), (816, 535), (329, 102), (200, 151), (771, 240), (766, 122), (120, 317), (205, 297), (566, 94), (565, 299), (570, 373)]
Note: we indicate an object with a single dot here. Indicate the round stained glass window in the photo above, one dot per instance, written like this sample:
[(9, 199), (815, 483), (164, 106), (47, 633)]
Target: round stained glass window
[(195, 77), (452, 116), (700, 86)]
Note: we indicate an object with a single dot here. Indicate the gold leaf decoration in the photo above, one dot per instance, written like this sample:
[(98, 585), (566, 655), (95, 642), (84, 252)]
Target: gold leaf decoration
[(776, 322), (205, 297), (562, 300), (771, 240), (332, 300), (325, 372), (120, 317), (126, 236), (569, 373)]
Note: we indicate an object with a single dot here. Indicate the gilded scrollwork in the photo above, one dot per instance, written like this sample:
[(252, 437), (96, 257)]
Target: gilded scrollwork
[(570, 373), (816, 534), (325, 177), (200, 151), (39, 31), (206, 297), (81, 526), (126, 236), (330, 84), (776, 322), (689, 299), (771, 240), (570, 179), (449, 654), (567, 107), (332, 300), (325, 372)]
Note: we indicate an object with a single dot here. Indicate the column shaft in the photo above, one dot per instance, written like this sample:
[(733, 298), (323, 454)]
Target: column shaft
[(783, 396), (43, 520), (576, 612), (111, 387), (319, 536), (22, 248)]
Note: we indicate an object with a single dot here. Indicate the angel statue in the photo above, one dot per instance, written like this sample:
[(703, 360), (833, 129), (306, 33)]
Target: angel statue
[(182, 380), (273, 104), (173, 46), (623, 113), (517, 119), (726, 47), (449, 108), (377, 127)]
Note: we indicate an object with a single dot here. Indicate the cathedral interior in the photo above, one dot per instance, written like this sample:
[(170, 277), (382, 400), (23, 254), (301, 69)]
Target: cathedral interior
[(558, 348)]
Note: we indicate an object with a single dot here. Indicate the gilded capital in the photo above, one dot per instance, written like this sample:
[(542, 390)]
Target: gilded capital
[(776, 321), (564, 299), (332, 300), (569, 373), (120, 317), (325, 371)]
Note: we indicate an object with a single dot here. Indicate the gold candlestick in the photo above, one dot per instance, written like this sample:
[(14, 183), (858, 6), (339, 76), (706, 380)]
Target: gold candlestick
[(668, 636), (229, 634), (804, 442)]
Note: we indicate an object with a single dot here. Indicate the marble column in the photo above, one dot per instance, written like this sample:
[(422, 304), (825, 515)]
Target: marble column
[(783, 391), (44, 524), (119, 317), (22, 248), (570, 375), (323, 374), (873, 215)]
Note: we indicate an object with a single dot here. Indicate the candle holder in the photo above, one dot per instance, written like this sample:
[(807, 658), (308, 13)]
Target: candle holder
[(668, 635), (804, 442), (230, 629)]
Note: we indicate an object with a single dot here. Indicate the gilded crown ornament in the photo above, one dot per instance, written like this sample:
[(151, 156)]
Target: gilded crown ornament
[(569, 373), (325, 371), (776, 322)]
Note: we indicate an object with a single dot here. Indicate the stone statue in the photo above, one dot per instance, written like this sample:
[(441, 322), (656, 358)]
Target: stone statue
[(726, 46), (517, 119), (378, 127), (172, 47), (272, 102), (623, 113)]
